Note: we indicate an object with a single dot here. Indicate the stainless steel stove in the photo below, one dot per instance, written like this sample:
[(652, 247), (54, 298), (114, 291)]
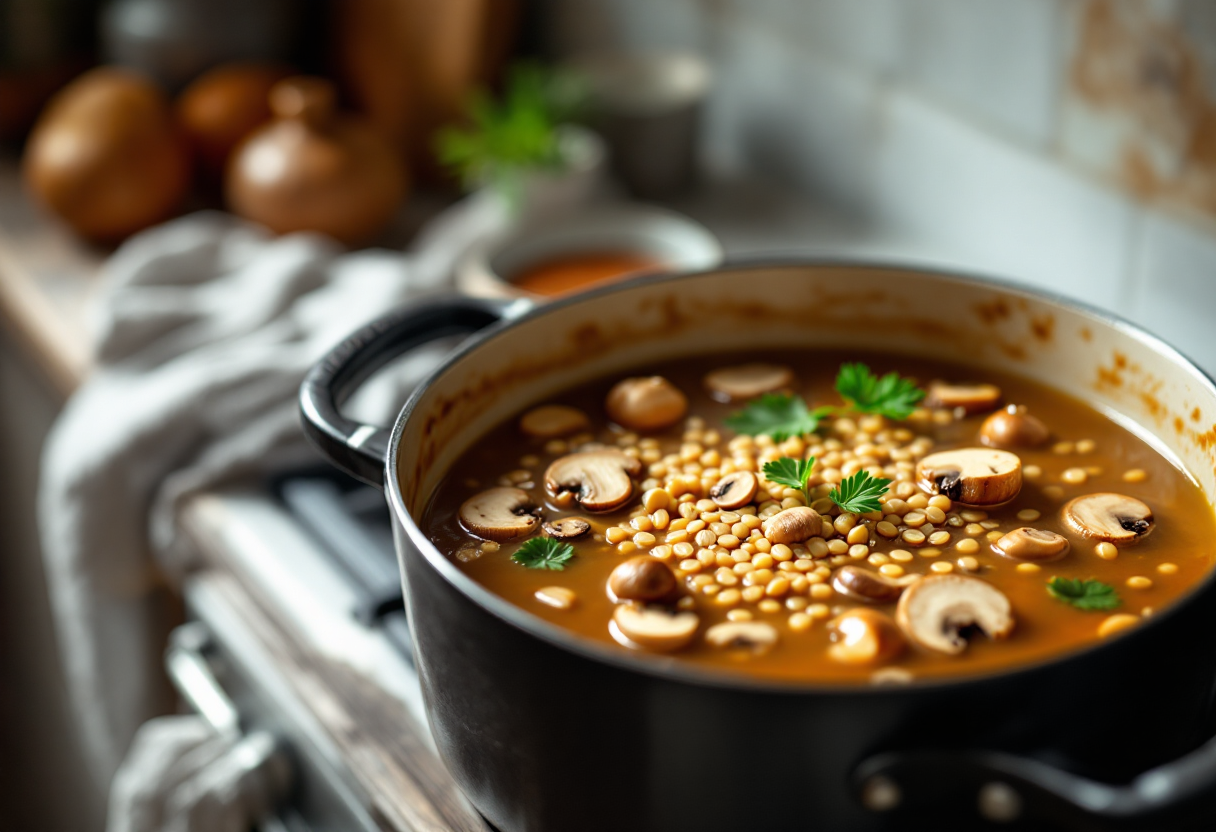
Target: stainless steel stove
[(298, 640)]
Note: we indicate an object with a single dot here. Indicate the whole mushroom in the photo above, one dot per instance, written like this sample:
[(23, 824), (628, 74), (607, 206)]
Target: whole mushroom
[(1013, 427), (642, 578), (646, 404)]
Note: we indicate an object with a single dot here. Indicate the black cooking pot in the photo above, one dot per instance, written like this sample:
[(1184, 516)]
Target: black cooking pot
[(546, 731)]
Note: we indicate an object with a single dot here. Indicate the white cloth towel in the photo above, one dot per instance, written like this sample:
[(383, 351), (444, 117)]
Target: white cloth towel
[(208, 325), (182, 776)]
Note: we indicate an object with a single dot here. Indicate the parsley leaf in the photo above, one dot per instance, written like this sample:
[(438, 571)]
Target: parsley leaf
[(777, 415), (792, 473), (544, 553), (891, 396), (1084, 595), (859, 493)]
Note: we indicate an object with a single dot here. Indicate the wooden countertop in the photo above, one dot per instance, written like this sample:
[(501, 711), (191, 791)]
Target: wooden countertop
[(48, 279)]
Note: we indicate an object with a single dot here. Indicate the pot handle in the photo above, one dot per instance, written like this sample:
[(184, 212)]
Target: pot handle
[(360, 449), (1006, 789)]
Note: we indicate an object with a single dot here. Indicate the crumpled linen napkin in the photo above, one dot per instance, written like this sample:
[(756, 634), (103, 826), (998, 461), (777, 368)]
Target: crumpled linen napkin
[(207, 327), (181, 775)]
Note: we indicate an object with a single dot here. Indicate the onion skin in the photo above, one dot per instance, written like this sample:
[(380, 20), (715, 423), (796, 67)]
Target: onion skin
[(223, 106), (106, 156), (315, 169)]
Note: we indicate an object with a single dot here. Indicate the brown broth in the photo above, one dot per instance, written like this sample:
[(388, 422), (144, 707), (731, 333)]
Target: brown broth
[(1045, 628), (572, 272)]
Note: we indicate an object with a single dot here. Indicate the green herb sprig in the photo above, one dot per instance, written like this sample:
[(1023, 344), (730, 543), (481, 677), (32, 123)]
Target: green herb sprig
[(1084, 595), (859, 493), (544, 553), (777, 415), (892, 395), (780, 415), (792, 473), (516, 132)]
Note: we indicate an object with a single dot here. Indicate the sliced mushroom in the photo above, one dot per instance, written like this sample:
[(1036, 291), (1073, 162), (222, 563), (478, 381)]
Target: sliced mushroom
[(653, 628), (1035, 545), (598, 480), (550, 421), (500, 514), (746, 381), (935, 611), (874, 587), (972, 476), (646, 404), (972, 398), (567, 528), (734, 490), (1115, 518), (864, 636), (793, 525), (642, 578), (1013, 427), (754, 637)]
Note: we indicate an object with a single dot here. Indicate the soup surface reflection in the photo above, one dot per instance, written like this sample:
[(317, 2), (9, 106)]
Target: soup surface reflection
[(677, 541)]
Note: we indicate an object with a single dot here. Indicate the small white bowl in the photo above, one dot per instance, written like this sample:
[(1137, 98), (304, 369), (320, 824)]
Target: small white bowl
[(674, 241)]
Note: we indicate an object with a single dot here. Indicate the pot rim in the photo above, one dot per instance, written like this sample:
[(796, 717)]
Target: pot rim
[(671, 668)]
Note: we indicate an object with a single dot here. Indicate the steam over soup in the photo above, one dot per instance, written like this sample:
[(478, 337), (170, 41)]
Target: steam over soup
[(819, 517)]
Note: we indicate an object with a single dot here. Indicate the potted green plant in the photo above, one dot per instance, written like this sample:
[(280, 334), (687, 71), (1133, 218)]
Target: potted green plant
[(525, 145)]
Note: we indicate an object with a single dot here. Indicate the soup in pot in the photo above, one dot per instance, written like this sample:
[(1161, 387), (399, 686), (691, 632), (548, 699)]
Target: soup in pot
[(808, 516)]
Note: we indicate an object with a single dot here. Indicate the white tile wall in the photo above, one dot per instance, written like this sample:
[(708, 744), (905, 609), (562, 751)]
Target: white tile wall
[(1175, 286), (792, 115), (998, 61), (944, 124), (862, 34), (993, 205)]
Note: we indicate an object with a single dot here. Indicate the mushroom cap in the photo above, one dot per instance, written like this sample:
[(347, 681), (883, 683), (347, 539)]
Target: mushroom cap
[(972, 476), (755, 637), (500, 514), (1013, 427), (746, 381), (550, 421), (869, 586), (653, 628), (600, 480), (934, 611), (735, 490), (972, 398), (1034, 545), (646, 403), (793, 525), (642, 578), (1115, 518)]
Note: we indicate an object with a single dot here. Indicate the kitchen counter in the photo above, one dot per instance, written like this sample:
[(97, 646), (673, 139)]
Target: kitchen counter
[(47, 282)]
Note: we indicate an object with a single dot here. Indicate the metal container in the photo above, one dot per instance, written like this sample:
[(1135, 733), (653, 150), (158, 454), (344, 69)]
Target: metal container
[(547, 731)]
